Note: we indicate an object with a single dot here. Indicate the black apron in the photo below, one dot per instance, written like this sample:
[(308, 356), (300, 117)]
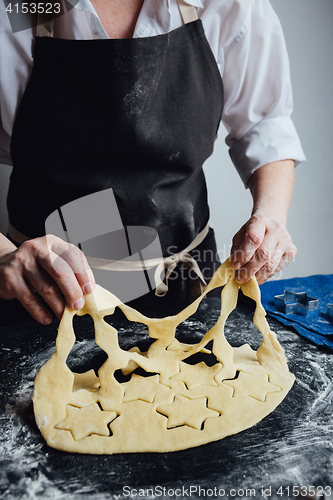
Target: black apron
[(137, 115)]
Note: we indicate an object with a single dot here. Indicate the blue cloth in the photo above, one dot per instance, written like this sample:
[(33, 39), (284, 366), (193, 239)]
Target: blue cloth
[(317, 326)]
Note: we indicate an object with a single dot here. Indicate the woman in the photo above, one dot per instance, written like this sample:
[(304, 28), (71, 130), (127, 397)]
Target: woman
[(128, 95)]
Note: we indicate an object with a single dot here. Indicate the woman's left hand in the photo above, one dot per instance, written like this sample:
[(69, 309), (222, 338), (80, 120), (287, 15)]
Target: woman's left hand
[(261, 248)]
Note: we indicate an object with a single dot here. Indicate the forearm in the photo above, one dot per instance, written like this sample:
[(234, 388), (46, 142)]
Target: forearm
[(6, 245), (271, 187)]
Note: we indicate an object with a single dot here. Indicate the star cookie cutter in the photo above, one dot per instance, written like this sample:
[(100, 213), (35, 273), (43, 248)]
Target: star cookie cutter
[(330, 311), (296, 302)]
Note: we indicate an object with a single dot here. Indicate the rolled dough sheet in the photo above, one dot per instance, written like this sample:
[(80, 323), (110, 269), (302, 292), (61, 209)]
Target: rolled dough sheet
[(178, 404)]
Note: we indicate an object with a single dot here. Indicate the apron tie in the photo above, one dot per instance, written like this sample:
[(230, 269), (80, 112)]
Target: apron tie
[(169, 264)]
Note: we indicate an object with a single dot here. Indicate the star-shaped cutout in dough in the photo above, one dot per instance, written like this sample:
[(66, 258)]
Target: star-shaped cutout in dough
[(86, 381), (197, 375), (254, 386), (82, 422), (185, 411), (143, 388)]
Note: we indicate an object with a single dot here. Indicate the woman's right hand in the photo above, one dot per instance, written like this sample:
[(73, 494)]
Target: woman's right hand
[(45, 267)]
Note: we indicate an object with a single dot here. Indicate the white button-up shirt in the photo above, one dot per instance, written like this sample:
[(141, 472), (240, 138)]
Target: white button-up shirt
[(247, 42)]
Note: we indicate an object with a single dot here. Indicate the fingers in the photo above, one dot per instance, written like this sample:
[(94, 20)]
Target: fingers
[(51, 268), (63, 282), (32, 304), (265, 258), (75, 259), (261, 248), (18, 288), (69, 268), (247, 241), (268, 268), (283, 261), (41, 283)]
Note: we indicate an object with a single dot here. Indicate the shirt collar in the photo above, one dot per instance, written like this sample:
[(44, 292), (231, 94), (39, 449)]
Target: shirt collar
[(84, 5), (87, 6)]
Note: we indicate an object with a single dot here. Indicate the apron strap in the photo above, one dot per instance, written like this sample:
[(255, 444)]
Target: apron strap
[(45, 25), (188, 12)]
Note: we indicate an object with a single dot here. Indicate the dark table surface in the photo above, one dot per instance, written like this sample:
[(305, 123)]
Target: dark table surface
[(292, 447)]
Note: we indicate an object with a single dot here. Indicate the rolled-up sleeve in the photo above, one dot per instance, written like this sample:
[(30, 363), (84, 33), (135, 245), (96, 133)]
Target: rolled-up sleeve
[(258, 94)]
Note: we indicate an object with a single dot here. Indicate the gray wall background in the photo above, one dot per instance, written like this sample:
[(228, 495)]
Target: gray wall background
[(308, 30)]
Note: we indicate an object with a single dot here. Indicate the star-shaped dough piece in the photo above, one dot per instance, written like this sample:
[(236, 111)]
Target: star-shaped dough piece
[(254, 386), (197, 375), (185, 411), (144, 388), (82, 422), (86, 381)]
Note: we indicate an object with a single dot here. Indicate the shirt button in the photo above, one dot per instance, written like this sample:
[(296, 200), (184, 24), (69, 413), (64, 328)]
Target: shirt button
[(96, 33)]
